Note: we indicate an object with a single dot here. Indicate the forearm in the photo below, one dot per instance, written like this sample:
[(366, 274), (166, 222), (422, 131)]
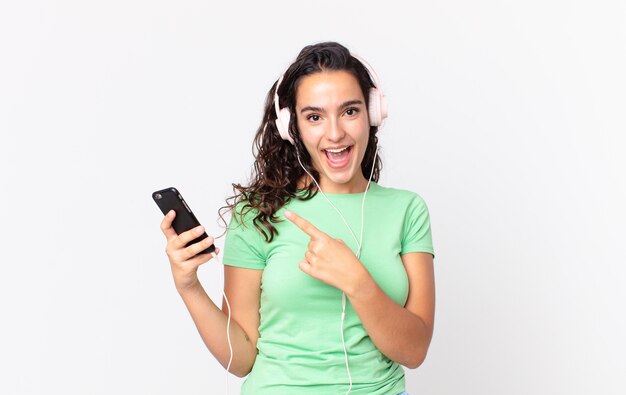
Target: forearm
[(211, 323), (401, 335)]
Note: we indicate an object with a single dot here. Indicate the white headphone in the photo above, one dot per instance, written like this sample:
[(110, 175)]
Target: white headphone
[(377, 109)]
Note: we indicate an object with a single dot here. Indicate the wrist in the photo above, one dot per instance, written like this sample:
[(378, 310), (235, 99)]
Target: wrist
[(189, 287), (362, 285)]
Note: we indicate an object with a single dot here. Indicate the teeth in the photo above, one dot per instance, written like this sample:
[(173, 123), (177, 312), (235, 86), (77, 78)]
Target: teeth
[(335, 151)]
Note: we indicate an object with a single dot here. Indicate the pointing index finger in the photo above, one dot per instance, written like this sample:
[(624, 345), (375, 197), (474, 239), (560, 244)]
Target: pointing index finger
[(303, 224)]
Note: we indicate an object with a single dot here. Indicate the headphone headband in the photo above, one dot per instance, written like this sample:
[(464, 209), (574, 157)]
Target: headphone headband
[(377, 109)]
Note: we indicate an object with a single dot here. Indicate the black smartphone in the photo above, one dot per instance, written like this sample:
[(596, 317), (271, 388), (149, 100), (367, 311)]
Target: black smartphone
[(170, 199)]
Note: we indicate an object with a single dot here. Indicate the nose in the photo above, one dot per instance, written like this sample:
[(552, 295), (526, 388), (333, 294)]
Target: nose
[(335, 131)]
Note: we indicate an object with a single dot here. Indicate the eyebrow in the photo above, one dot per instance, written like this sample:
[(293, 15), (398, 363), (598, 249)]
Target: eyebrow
[(320, 109)]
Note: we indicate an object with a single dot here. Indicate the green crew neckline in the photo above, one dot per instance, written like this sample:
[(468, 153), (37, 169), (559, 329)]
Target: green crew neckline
[(373, 186)]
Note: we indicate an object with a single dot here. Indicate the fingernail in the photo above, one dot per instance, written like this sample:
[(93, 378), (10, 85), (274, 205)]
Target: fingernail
[(287, 213), (199, 229)]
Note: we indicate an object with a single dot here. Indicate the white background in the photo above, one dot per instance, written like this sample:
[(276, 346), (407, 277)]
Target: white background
[(507, 117)]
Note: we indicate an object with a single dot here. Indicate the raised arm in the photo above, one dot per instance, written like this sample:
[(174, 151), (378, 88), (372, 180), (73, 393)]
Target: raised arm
[(402, 333), (242, 288)]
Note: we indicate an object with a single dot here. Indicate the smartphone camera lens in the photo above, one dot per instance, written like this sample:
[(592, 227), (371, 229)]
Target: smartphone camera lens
[(158, 196)]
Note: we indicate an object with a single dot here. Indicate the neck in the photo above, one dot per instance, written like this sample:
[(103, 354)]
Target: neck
[(357, 186)]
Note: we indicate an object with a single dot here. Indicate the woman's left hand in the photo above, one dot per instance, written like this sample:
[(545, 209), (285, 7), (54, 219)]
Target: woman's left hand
[(327, 259)]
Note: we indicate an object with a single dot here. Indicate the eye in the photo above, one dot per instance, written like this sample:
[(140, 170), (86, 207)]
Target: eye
[(352, 111), (313, 117)]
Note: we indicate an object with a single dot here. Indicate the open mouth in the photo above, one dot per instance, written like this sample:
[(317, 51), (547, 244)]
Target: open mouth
[(338, 157)]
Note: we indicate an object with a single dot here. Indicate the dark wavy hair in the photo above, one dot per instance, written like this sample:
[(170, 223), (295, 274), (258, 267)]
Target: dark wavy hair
[(276, 171)]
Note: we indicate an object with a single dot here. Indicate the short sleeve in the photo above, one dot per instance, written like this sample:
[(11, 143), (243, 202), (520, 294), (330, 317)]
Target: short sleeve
[(416, 233), (244, 245)]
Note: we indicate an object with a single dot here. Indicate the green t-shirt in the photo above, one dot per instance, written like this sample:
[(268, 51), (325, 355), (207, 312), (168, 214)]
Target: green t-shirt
[(300, 349)]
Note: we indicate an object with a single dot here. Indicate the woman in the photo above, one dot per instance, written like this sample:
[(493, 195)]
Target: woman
[(328, 274)]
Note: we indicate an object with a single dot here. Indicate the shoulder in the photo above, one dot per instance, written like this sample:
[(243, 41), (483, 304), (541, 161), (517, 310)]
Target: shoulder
[(243, 213), (399, 196), (242, 230)]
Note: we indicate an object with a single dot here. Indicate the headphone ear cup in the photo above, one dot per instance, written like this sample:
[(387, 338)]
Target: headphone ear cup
[(377, 107), (282, 124), (383, 108)]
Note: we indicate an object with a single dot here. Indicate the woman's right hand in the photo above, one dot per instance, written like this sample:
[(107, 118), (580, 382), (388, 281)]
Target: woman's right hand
[(183, 260)]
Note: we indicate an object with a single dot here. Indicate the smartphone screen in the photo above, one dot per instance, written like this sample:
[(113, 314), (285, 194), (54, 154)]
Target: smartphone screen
[(170, 199)]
